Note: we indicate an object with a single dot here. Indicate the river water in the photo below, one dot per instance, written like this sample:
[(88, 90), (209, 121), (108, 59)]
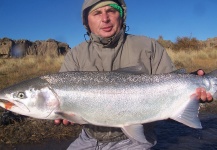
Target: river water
[(176, 136), (171, 136)]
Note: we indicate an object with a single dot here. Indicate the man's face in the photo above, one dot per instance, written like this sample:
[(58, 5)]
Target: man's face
[(104, 21)]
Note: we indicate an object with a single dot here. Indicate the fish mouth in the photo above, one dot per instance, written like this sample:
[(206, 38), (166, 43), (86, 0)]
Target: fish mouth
[(7, 105), (13, 106)]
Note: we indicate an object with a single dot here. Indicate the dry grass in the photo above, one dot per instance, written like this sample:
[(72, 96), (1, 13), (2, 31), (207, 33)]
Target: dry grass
[(205, 59), (15, 70)]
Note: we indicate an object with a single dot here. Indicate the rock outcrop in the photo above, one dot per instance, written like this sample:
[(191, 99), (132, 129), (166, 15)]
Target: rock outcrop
[(211, 42), (21, 48), (5, 46)]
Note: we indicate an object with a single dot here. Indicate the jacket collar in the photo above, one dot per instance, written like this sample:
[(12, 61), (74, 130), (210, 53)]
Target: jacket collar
[(107, 42)]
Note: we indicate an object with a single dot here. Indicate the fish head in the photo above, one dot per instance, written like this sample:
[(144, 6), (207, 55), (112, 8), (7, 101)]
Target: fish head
[(32, 98)]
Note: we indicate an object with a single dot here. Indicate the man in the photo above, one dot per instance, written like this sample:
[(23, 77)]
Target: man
[(110, 48)]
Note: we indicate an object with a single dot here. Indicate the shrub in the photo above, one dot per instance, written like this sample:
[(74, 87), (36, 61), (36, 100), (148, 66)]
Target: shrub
[(164, 43), (186, 43)]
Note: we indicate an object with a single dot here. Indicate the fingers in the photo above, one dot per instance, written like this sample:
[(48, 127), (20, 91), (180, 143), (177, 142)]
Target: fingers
[(200, 72), (209, 97), (65, 122), (202, 92), (203, 96), (57, 122)]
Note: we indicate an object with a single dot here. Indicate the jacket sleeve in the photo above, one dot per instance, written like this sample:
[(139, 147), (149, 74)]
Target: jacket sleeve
[(70, 61), (160, 60)]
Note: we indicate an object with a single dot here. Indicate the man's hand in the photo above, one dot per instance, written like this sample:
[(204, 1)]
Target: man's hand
[(203, 96), (201, 93), (65, 122)]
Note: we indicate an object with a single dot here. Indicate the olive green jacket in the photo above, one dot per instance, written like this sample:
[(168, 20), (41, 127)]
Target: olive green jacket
[(134, 50)]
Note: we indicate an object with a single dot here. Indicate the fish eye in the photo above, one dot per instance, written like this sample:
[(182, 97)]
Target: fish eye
[(21, 95)]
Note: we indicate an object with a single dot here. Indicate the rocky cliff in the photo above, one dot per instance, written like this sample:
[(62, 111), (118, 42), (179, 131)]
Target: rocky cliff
[(20, 48)]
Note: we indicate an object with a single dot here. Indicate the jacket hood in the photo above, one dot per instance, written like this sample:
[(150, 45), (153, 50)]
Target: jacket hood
[(89, 3)]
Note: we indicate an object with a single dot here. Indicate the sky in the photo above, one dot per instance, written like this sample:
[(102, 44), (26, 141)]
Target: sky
[(61, 19)]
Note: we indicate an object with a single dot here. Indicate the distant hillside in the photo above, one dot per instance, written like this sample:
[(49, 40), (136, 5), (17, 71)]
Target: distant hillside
[(188, 43), (20, 48)]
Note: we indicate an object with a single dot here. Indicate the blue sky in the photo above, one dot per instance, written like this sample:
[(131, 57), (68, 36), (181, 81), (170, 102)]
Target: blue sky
[(61, 19)]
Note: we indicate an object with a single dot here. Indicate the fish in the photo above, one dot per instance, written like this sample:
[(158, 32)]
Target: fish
[(121, 99)]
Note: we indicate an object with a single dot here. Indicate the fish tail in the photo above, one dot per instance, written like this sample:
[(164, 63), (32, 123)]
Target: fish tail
[(212, 77)]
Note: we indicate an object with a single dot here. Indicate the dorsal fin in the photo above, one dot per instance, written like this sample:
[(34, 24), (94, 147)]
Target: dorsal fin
[(139, 69), (180, 71)]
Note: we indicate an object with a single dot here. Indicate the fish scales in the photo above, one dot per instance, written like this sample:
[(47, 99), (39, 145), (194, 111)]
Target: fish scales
[(120, 94)]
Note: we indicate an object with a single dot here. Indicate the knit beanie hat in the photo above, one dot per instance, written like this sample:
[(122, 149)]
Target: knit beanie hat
[(107, 3)]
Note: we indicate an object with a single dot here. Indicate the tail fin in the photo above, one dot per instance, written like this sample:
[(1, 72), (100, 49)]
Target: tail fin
[(213, 81)]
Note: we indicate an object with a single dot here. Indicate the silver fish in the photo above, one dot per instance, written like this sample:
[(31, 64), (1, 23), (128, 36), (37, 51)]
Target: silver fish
[(112, 99)]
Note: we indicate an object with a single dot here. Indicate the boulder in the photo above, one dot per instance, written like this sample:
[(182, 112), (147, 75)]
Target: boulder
[(211, 42), (6, 45), (51, 47)]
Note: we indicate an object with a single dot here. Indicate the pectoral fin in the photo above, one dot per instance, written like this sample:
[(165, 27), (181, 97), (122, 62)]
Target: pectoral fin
[(71, 117), (135, 132), (189, 114)]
